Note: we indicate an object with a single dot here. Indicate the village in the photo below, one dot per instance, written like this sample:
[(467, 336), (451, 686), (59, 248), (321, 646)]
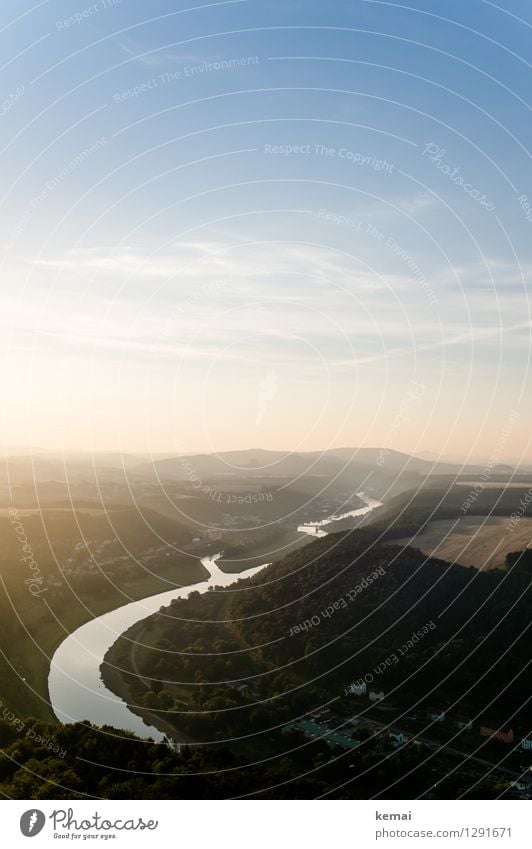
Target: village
[(454, 730)]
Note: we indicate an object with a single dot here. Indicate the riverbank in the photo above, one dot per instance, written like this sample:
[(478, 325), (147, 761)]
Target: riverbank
[(114, 681), (45, 622), (77, 691), (120, 659), (317, 529), (286, 542)]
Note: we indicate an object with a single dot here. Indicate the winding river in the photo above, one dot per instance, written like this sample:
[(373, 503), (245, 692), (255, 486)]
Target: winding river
[(75, 686), (315, 529)]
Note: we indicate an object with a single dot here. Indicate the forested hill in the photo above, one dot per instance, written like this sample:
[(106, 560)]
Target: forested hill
[(345, 604), (240, 667)]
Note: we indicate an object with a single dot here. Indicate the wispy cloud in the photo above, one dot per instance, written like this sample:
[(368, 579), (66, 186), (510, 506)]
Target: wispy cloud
[(154, 58), (421, 200), (268, 389), (257, 303)]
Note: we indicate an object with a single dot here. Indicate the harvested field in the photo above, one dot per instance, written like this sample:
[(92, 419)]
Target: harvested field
[(477, 541)]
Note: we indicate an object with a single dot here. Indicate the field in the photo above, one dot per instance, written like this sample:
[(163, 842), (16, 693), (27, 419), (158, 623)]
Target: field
[(496, 484), (477, 541)]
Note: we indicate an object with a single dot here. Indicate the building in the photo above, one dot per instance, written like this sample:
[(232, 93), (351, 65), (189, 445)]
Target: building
[(497, 730), (321, 715), (526, 743), (463, 721), (397, 737)]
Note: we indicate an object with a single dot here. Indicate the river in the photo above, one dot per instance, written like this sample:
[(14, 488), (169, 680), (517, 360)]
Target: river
[(75, 685)]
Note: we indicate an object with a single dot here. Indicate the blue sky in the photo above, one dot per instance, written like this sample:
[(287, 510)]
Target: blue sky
[(261, 223)]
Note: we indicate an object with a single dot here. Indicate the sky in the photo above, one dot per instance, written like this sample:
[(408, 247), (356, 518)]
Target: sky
[(287, 225)]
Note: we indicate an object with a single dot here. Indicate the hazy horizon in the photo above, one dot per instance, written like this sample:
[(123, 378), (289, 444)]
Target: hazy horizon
[(13, 452)]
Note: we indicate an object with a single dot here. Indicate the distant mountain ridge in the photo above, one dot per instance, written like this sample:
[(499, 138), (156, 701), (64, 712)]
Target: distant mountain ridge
[(245, 463)]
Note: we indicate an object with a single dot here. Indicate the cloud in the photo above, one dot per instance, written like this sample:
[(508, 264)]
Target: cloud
[(464, 338), (159, 57), (305, 265), (421, 200)]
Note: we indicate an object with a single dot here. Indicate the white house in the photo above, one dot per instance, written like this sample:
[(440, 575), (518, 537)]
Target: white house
[(464, 721), (436, 714)]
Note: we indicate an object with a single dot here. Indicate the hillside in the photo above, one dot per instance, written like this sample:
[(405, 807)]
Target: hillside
[(291, 639), (60, 567), (44, 761), (408, 513), (382, 463)]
